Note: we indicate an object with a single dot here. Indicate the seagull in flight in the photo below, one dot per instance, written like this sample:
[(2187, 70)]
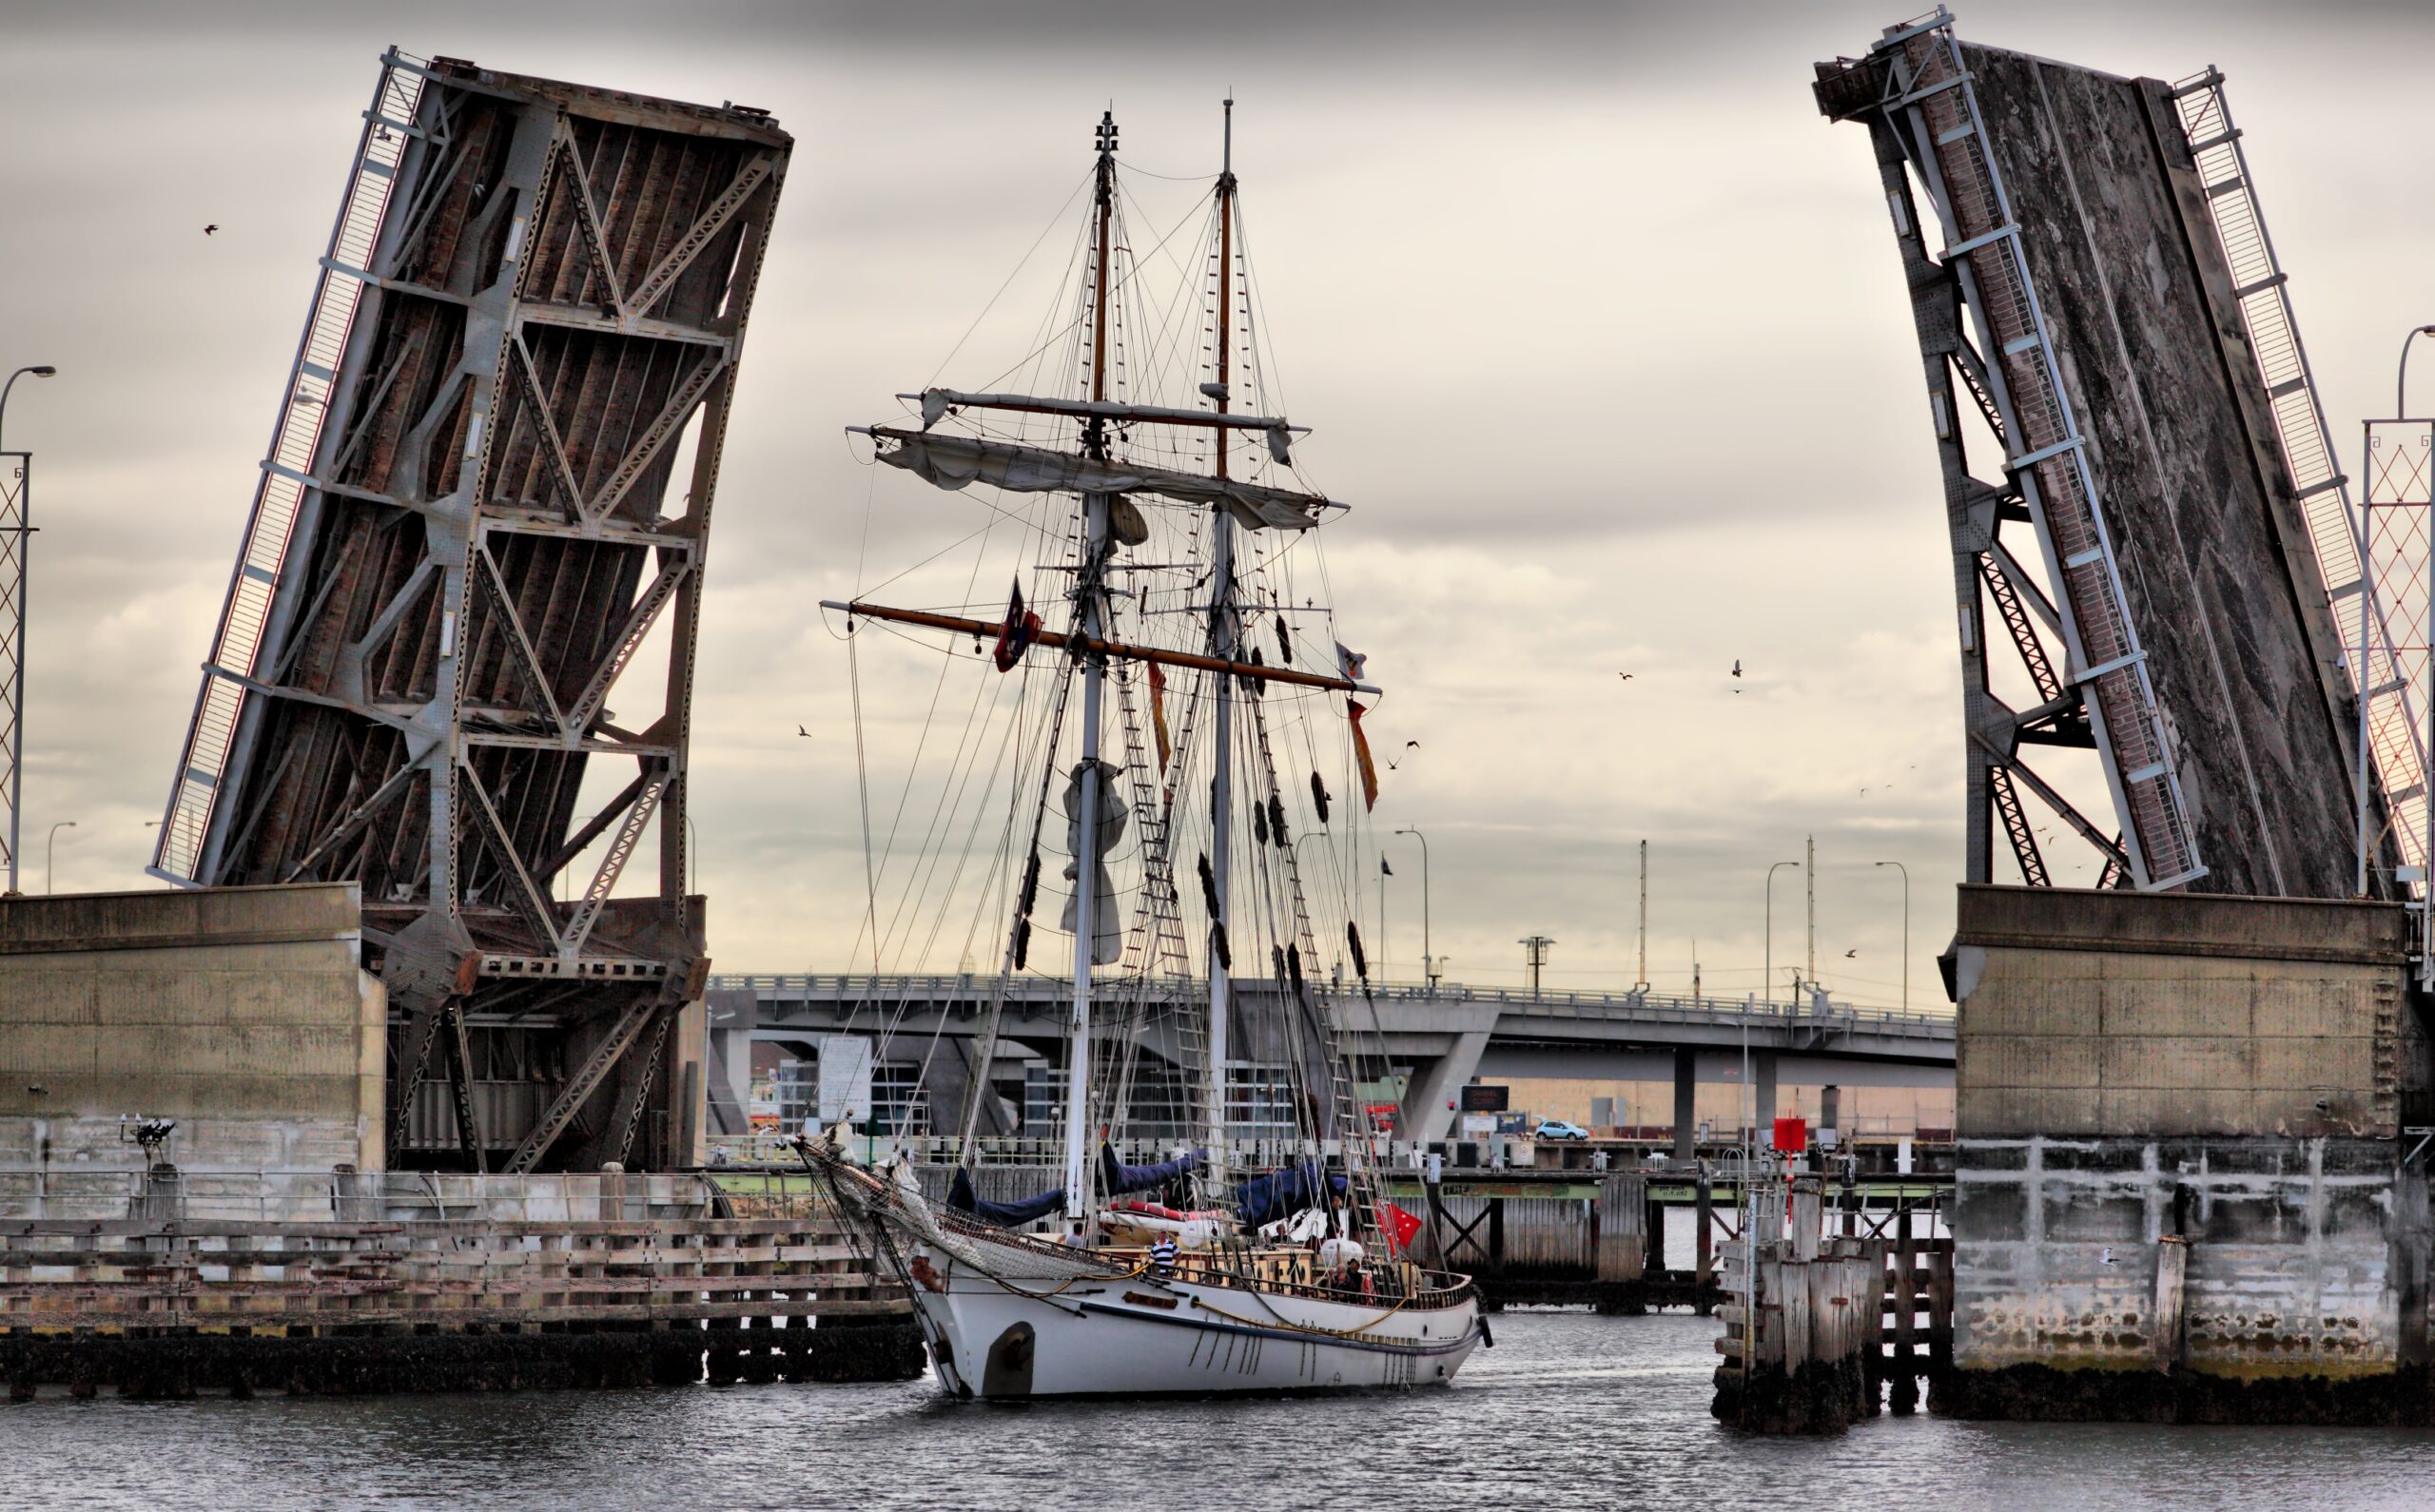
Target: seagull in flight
[(1625, 676), (800, 730), (1736, 666), (1852, 954), (213, 226)]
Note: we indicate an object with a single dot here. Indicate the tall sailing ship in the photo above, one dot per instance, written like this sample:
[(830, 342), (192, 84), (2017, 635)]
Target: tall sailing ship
[(1209, 912)]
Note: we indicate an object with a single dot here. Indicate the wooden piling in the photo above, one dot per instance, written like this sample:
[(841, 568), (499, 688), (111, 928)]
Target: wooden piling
[(1904, 1372), (1704, 1221)]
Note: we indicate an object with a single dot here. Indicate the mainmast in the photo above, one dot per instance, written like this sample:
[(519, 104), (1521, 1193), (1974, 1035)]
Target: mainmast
[(1223, 636), (1092, 601)]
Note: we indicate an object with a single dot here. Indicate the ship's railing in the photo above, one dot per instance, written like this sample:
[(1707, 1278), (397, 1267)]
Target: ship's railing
[(287, 471)]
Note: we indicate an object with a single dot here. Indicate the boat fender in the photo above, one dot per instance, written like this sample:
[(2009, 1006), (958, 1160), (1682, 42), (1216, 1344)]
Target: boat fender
[(1486, 1337)]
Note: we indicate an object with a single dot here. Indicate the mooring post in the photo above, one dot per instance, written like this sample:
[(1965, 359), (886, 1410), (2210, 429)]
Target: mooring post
[(1903, 1396)]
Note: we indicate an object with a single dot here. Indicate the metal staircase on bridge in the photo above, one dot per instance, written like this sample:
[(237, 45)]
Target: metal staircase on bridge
[(202, 767), (2396, 737), (1932, 108)]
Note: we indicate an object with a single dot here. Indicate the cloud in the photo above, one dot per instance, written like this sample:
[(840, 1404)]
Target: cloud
[(1597, 321)]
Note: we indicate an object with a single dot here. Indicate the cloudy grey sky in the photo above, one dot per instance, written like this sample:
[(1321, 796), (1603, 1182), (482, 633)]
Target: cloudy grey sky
[(1615, 244)]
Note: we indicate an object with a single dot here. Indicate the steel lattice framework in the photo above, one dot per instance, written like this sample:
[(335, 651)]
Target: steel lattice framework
[(16, 538), (527, 325), (2161, 548)]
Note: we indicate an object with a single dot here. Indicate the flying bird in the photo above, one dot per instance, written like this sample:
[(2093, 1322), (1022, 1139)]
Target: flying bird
[(1852, 955), (800, 730), (1411, 745), (1625, 676), (213, 226), (1736, 666)]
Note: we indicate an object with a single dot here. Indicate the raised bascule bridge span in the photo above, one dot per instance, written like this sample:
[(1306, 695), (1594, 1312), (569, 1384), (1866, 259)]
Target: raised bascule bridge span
[(2153, 548), (1445, 1034), (482, 521)]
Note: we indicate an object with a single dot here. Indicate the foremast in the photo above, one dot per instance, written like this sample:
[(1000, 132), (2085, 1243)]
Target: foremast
[(1224, 627), (1091, 602)]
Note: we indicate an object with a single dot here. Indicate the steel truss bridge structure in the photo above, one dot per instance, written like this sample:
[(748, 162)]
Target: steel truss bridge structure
[(489, 488), (2166, 538)]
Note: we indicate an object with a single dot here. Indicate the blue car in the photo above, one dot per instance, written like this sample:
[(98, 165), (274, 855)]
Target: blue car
[(1558, 1128)]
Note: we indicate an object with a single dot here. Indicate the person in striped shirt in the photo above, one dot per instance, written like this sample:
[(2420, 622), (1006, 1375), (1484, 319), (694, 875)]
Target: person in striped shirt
[(1162, 1254)]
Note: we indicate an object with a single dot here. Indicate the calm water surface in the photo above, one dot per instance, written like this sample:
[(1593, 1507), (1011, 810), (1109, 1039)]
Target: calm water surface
[(1568, 1410)]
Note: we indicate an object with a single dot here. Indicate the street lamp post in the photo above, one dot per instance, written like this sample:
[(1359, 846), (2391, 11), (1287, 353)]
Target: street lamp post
[(1769, 990), (14, 638), (1318, 834), (51, 848), (42, 370), (1906, 930), (1427, 960)]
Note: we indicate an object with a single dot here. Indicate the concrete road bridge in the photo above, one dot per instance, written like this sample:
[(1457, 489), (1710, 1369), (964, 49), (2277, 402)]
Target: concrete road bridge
[(1447, 1034)]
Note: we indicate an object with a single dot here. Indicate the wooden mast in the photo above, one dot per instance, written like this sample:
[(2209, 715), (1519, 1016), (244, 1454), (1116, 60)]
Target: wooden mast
[(1092, 600), (1223, 631)]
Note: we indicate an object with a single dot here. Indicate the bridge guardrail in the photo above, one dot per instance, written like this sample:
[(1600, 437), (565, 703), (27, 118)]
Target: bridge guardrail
[(974, 989)]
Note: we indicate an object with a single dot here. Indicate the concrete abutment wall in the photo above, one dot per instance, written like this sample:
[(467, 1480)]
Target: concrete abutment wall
[(2182, 1189)]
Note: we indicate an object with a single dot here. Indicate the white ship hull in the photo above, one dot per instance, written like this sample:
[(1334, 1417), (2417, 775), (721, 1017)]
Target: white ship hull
[(1143, 1336)]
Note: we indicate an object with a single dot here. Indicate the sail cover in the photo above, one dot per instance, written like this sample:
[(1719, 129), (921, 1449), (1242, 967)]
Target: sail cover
[(953, 461), (1121, 1178), (1005, 1214), (1268, 1198)]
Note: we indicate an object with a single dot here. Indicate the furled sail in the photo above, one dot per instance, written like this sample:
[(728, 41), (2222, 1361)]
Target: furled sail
[(1265, 1199), (1118, 1178), (1107, 920), (1005, 1214), (954, 461)]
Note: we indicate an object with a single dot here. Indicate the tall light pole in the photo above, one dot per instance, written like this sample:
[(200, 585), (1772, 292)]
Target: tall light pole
[(1642, 984), (51, 848), (1534, 955), (1768, 991), (1427, 960), (1906, 930), (16, 519)]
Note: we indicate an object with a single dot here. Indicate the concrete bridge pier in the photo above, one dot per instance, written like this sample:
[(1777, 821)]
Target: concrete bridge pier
[(1425, 1113), (1687, 1087)]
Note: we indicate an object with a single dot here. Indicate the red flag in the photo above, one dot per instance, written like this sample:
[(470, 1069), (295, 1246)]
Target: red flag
[(1158, 713), (1400, 1227), (1361, 759)]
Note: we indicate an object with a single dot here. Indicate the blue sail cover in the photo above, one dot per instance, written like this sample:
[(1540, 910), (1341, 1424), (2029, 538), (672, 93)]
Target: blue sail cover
[(1005, 1214), (1268, 1198), (1119, 1178)]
